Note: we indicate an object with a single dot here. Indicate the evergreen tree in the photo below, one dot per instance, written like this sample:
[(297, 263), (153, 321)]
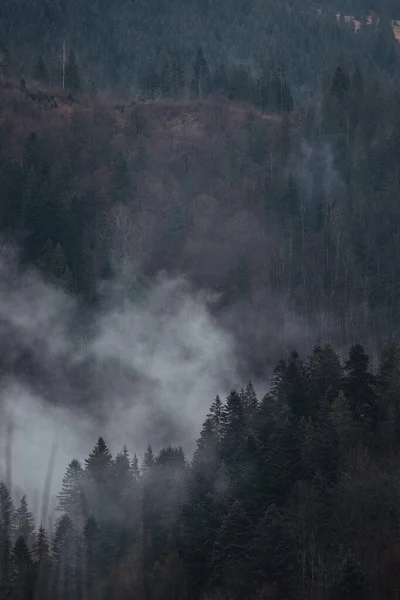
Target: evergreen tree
[(229, 558), (6, 530), (324, 374), (359, 387), (42, 564), (148, 460), (135, 468), (233, 429), (24, 523), (63, 559), (72, 76), (250, 405), (270, 553), (21, 571), (91, 535), (71, 498)]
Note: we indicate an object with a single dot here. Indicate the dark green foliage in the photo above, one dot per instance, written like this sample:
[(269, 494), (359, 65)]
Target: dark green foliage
[(268, 504), (270, 555), (229, 557)]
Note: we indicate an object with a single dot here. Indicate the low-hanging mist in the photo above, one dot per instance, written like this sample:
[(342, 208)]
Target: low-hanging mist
[(141, 370)]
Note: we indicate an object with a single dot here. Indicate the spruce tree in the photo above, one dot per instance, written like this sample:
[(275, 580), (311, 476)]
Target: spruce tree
[(359, 387), (91, 536), (71, 498), (324, 373), (229, 557), (135, 468), (148, 460), (21, 571), (42, 564), (270, 555), (24, 523), (6, 530), (63, 558), (233, 428)]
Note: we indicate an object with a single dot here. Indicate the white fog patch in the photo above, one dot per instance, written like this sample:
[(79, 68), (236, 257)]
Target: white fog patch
[(146, 372)]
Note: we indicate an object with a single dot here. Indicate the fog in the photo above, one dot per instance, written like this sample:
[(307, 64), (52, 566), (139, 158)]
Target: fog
[(145, 370)]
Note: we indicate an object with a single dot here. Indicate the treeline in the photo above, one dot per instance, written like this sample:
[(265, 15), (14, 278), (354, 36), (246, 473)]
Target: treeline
[(137, 39), (268, 90), (294, 495)]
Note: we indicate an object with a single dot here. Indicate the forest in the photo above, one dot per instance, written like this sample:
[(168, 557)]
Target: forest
[(253, 148), (292, 495)]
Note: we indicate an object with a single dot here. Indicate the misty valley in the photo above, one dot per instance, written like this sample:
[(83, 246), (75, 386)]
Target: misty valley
[(199, 300)]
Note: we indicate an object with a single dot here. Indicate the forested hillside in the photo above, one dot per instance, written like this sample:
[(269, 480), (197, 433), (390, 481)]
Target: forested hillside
[(252, 148), (123, 44), (294, 495), (291, 215)]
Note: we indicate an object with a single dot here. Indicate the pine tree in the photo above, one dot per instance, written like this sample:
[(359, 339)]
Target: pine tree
[(135, 468), (340, 83), (324, 374), (63, 558), (250, 405), (91, 535), (21, 571), (233, 429), (148, 460), (126, 497), (359, 387), (71, 498), (41, 556), (41, 546), (229, 558), (72, 76), (270, 554), (6, 530), (99, 481), (41, 73), (24, 523)]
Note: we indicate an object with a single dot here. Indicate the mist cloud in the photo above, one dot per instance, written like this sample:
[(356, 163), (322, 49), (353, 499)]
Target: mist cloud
[(145, 370)]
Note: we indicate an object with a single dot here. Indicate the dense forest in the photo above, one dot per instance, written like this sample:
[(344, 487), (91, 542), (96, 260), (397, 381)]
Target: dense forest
[(252, 147), (291, 213), (123, 44), (294, 495)]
